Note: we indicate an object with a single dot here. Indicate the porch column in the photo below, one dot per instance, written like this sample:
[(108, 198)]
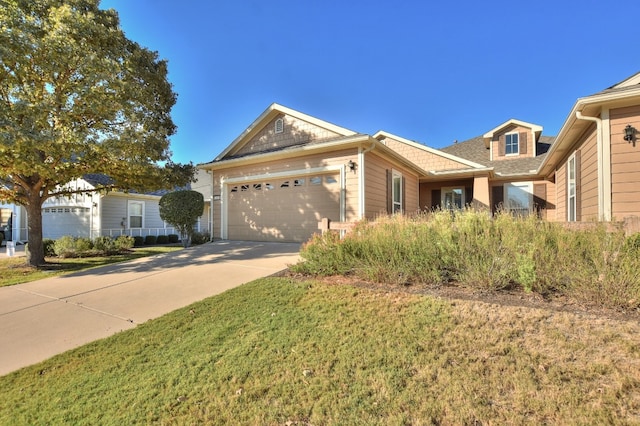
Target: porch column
[(481, 192)]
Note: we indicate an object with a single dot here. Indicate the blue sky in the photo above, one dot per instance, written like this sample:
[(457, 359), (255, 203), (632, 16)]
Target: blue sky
[(433, 72)]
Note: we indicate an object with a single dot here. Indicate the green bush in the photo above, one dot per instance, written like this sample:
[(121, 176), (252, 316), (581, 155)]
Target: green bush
[(138, 241), (162, 239), (150, 240), (49, 247), (105, 245), (68, 246), (173, 238), (199, 238), (124, 242), (476, 250)]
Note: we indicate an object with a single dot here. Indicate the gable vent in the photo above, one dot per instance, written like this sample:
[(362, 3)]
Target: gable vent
[(279, 125)]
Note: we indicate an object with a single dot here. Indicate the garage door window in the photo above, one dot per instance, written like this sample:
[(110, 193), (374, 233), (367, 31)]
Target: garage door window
[(136, 214)]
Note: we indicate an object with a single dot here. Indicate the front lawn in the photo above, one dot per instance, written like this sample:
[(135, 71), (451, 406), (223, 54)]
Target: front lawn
[(303, 351), (14, 270)]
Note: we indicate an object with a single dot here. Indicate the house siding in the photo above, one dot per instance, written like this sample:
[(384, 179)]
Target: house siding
[(423, 159), (625, 158), (426, 191), (295, 132), (376, 186)]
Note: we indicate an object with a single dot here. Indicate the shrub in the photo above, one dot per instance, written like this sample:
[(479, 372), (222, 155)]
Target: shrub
[(124, 242), (162, 239), (65, 246), (150, 240), (199, 238), (49, 247), (138, 241), (173, 238), (105, 245)]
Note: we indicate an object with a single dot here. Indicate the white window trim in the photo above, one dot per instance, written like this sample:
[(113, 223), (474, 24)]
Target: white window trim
[(129, 215), (571, 212), (517, 144), (279, 125), (443, 193), (396, 175), (529, 191)]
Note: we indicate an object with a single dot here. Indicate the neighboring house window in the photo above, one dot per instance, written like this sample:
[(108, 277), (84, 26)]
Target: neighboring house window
[(511, 144), (571, 189), (397, 192), (279, 125), (452, 198), (136, 214), (518, 198)]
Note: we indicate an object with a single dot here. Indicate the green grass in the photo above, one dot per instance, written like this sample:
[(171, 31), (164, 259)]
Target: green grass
[(285, 351), (14, 270)]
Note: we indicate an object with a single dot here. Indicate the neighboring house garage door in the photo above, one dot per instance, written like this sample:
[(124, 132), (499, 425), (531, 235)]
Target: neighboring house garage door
[(60, 221), (283, 209)]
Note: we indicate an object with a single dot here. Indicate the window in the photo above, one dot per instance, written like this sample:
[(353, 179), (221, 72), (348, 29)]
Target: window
[(396, 192), (511, 144), (518, 198), (257, 186), (316, 180), (279, 126), (571, 189), (284, 184), (298, 182), (268, 186), (330, 180), (136, 214), (452, 198), (244, 188)]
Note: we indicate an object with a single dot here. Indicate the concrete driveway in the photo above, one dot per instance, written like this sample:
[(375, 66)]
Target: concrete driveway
[(50, 316)]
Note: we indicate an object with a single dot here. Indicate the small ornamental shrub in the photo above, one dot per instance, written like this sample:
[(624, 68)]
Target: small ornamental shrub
[(48, 245), (162, 239), (105, 245), (150, 240), (124, 242), (138, 241), (65, 246), (199, 238), (173, 238), (83, 245)]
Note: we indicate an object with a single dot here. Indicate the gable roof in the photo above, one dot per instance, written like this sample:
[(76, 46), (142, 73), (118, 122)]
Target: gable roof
[(269, 114), (512, 122)]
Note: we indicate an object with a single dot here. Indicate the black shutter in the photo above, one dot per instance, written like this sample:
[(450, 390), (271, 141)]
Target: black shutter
[(497, 196), (522, 140), (468, 196), (436, 196)]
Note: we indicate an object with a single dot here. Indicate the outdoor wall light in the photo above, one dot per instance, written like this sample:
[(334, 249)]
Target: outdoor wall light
[(630, 134), (352, 165)]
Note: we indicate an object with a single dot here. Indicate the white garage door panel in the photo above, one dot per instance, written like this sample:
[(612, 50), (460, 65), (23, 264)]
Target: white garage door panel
[(282, 210), (60, 221)]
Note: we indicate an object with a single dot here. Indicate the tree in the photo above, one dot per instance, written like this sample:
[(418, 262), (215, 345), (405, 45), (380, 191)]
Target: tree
[(79, 97), (182, 210)]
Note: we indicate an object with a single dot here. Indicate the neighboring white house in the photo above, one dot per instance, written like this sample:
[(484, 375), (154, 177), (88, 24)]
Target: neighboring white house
[(204, 185), (92, 214), (13, 223)]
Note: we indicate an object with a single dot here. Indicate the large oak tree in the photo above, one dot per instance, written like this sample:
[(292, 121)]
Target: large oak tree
[(78, 97)]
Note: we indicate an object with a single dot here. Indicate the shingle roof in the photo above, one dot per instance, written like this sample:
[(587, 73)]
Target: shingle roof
[(474, 149), (99, 179)]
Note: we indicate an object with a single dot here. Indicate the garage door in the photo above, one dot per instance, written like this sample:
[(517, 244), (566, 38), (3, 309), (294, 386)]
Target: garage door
[(283, 209), (60, 221)]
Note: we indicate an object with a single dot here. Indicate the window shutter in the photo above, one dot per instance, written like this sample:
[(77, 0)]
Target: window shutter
[(522, 140), (389, 192), (436, 196), (540, 199), (497, 195), (578, 188), (468, 196), (502, 144)]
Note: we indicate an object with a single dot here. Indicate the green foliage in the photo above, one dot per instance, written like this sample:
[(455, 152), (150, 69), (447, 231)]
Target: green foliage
[(138, 241), (124, 242), (162, 239), (104, 244), (182, 210), (150, 240), (173, 238), (475, 250), (200, 238), (49, 247), (79, 97)]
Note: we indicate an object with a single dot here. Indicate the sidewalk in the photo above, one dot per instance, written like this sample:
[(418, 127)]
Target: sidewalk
[(50, 316)]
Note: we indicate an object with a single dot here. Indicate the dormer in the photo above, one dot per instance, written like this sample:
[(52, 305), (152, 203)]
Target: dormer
[(512, 139)]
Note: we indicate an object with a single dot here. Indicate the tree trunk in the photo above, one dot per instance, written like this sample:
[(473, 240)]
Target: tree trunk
[(35, 254)]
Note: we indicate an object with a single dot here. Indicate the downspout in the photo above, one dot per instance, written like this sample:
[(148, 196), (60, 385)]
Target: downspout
[(211, 209), (602, 214), (361, 178)]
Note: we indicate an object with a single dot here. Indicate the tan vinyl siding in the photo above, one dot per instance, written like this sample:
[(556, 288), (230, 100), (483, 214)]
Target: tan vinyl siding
[(295, 132), (561, 193), (427, 188), (589, 176), (498, 140), (424, 159), (376, 186), (625, 161)]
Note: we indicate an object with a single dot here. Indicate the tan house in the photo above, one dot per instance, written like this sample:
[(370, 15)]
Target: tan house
[(288, 170)]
